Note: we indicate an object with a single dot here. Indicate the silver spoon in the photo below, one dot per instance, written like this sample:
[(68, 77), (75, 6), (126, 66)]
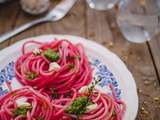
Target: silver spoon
[(55, 14)]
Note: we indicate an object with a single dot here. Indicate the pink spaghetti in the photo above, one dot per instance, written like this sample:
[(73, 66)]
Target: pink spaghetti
[(42, 108), (74, 71), (108, 108), (34, 107), (61, 74)]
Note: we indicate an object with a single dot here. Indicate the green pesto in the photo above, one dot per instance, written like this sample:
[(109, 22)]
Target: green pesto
[(13, 94), (74, 57), (32, 76), (54, 93), (51, 55), (22, 110), (39, 118), (114, 113), (71, 65), (78, 106)]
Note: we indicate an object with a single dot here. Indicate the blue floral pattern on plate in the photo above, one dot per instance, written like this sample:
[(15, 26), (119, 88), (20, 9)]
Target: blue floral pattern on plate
[(106, 76), (8, 73)]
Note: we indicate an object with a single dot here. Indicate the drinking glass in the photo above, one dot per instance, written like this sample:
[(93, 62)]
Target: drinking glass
[(139, 20), (102, 4)]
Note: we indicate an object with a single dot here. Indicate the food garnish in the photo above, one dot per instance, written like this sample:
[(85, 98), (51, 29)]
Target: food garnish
[(51, 55)]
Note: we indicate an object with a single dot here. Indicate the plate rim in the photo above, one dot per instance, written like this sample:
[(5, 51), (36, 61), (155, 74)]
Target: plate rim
[(124, 67)]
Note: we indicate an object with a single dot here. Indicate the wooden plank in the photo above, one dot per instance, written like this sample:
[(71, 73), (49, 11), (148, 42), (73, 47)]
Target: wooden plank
[(102, 28), (73, 24), (97, 27), (8, 13), (154, 45)]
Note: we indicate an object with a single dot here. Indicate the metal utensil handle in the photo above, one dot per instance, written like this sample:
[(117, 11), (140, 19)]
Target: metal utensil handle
[(20, 29)]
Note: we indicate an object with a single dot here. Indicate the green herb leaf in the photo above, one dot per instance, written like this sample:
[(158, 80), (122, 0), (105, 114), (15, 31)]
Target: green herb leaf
[(13, 94), (51, 55), (73, 57), (94, 83), (114, 113), (39, 118), (22, 110), (32, 76), (78, 106), (71, 65), (68, 94), (54, 94)]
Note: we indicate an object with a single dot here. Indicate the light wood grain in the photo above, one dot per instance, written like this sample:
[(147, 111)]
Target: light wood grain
[(155, 51), (142, 60), (72, 24), (7, 20)]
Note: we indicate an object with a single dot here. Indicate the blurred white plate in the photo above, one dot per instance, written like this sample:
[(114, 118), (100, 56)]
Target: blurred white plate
[(104, 60)]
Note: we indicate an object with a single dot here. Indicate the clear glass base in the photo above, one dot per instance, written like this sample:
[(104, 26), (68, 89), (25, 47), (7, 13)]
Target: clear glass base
[(101, 4)]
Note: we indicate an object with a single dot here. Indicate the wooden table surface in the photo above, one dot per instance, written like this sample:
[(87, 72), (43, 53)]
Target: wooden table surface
[(143, 60)]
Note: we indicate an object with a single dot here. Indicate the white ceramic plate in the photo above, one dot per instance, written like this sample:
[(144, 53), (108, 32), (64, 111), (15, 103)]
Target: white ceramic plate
[(106, 63)]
